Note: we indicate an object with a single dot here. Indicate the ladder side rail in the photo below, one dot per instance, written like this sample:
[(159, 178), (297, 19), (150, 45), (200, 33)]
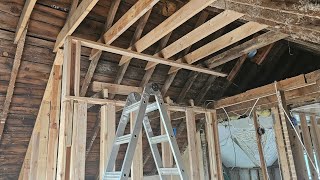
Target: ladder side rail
[(126, 166), (153, 147), (124, 119), (169, 131)]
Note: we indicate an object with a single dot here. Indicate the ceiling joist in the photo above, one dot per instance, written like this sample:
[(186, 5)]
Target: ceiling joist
[(133, 54)]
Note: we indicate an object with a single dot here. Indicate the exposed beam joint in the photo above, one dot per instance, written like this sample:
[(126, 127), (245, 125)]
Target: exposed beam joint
[(24, 18), (74, 21)]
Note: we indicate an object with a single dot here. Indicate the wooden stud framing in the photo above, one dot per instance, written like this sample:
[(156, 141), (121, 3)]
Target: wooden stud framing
[(193, 156), (77, 68), (54, 123), (260, 147), (78, 148), (211, 146), (217, 145), (64, 113), (26, 166), (107, 134), (284, 164), (137, 162), (299, 160), (287, 138), (308, 144), (315, 136), (34, 157)]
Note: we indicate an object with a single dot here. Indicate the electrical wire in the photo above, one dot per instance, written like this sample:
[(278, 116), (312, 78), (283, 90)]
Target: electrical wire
[(234, 149)]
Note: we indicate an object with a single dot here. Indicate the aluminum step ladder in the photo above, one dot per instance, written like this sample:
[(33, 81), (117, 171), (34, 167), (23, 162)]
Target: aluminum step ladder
[(139, 104)]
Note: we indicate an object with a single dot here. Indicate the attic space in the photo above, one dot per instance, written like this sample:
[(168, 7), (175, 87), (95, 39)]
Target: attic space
[(159, 89)]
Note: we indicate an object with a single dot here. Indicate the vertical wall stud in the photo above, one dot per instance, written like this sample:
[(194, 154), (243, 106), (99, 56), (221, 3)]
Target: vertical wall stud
[(193, 156), (78, 148), (260, 147), (107, 135)]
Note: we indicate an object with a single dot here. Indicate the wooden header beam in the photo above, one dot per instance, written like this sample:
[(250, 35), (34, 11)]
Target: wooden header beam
[(97, 101), (115, 88), (130, 53)]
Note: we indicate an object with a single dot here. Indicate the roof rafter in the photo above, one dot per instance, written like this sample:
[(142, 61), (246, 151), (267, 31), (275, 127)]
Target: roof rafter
[(192, 77), (213, 25), (12, 81), (221, 42), (170, 78), (137, 35), (182, 15), (24, 18), (129, 18), (244, 48), (74, 21)]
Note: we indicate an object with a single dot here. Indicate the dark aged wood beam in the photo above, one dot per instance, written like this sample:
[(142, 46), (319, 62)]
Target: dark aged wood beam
[(74, 21), (300, 21), (24, 18), (204, 90), (12, 81)]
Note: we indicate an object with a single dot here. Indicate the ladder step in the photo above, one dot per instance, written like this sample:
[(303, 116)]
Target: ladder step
[(123, 139), (158, 139), (169, 171), (151, 107), (112, 175)]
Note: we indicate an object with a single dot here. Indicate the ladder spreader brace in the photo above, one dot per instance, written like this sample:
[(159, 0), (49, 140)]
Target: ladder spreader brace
[(139, 104)]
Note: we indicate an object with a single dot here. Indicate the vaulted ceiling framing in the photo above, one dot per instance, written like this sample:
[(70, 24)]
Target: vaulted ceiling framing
[(211, 38)]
